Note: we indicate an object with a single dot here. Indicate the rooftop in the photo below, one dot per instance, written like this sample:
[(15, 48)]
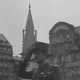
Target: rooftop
[(4, 41)]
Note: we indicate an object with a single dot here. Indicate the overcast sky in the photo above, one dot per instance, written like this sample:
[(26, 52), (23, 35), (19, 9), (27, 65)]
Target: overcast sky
[(45, 13)]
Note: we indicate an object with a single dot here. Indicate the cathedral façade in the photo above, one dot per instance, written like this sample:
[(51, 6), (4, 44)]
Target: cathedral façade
[(63, 49)]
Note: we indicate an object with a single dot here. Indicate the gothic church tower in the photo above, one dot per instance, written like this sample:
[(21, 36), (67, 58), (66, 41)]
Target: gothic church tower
[(29, 34)]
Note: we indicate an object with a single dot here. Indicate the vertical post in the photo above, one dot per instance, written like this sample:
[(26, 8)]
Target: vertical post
[(35, 34), (23, 33)]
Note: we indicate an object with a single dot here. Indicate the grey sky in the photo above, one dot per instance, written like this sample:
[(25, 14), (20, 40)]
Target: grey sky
[(45, 13)]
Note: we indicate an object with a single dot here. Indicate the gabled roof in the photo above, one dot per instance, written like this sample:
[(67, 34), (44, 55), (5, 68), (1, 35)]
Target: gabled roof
[(4, 41), (2, 37)]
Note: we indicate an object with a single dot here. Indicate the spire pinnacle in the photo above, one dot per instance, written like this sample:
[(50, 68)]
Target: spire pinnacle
[(29, 4)]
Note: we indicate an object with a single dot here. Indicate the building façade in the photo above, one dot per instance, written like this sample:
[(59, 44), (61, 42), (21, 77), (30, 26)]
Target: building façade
[(64, 49), (6, 63)]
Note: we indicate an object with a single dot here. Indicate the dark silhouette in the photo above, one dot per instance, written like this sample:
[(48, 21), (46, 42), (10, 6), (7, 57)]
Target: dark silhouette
[(47, 72)]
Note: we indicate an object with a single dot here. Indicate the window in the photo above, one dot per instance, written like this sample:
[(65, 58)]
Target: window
[(10, 78), (5, 64), (10, 70), (0, 56), (55, 60), (66, 46), (79, 71), (0, 64), (9, 57), (60, 48), (77, 56), (4, 48), (9, 49), (1, 41), (0, 48), (5, 78), (0, 73), (6, 42), (10, 73), (62, 58), (54, 49), (71, 73), (67, 74), (9, 65), (4, 56), (5, 73)]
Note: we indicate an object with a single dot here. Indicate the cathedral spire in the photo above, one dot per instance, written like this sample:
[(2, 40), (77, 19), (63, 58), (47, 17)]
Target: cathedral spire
[(29, 19), (29, 37)]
